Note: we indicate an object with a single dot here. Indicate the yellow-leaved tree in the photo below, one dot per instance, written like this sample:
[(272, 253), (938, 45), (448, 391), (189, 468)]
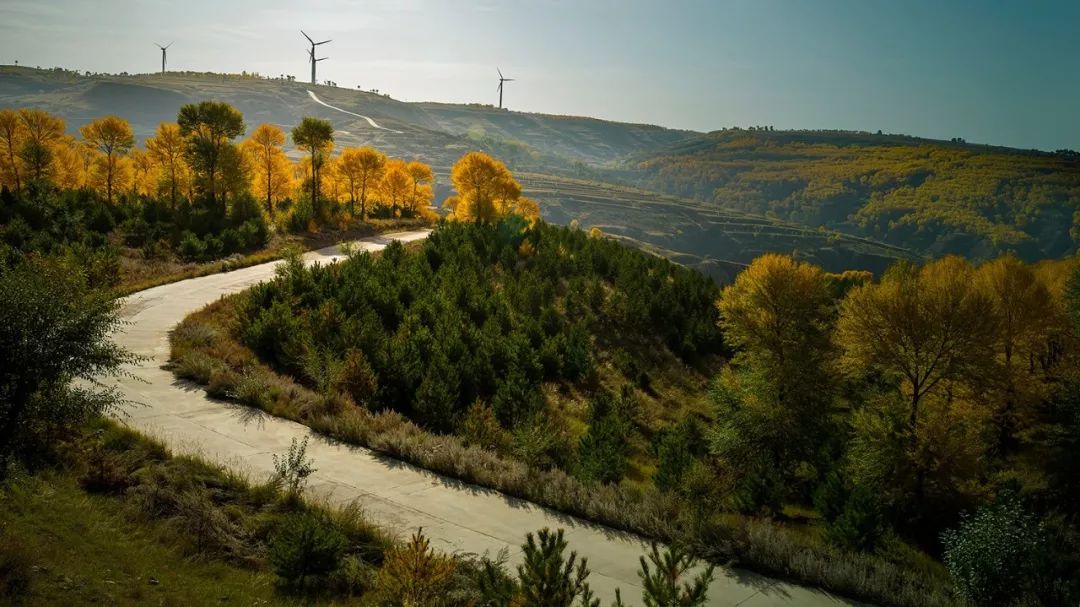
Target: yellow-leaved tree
[(363, 169), (396, 185), (1025, 310), (12, 135), (70, 164), (42, 131), (422, 178), (930, 332), (271, 175), (111, 137), (486, 191), (166, 149), (143, 173), (773, 409)]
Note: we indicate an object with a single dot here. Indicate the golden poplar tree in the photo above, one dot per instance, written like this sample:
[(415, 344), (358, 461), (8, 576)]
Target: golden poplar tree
[(1024, 308), (144, 173), (12, 135), (70, 164), (396, 185), (111, 137), (486, 191), (363, 168), (42, 131), (271, 171), (166, 148), (422, 178)]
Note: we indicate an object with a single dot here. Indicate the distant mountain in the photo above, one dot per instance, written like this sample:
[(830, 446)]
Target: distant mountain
[(936, 197)]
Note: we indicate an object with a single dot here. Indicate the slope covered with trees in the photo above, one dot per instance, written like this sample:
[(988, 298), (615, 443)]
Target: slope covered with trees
[(934, 197), (194, 191), (495, 309)]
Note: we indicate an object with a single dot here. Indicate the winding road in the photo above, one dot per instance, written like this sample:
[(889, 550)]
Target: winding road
[(397, 496), (370, 122)]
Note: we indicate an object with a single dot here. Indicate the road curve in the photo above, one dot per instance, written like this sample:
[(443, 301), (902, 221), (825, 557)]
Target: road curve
[(400, 497), (371, 122)]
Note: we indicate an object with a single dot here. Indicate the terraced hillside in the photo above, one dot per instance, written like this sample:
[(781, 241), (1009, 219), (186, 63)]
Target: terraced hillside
[(715, 240), (938, 197)]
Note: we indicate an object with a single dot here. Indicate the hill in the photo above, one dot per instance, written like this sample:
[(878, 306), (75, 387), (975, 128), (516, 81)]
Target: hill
[(571, 161), (936, 197)]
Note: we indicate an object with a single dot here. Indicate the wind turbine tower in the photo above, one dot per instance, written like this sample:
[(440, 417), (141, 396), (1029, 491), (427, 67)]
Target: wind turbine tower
[(501, 81), (311, 54), (163, 49)]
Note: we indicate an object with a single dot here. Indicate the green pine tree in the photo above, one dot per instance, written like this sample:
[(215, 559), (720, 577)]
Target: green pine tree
[(662, 583)]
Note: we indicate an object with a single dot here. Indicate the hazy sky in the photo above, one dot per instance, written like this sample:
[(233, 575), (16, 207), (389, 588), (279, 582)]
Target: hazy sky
[(992, 71)]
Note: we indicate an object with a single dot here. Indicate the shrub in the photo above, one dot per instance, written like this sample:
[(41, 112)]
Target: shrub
[(549, 577), (293, 468), (677, 450), (105, 473), (359, 379), (860, 525), (414, 574), (997, 556), (231, 241), (191, 247), (662, 584), (480, 427), (306, 546), (353, 577), (603, 451)]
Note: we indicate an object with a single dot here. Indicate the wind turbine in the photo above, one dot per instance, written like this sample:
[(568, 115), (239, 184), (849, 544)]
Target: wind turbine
[(163, 49), (311, 54), (501, 81)]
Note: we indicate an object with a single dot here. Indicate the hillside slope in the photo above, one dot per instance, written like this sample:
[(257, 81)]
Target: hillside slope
[(572, 161), (936, 197)]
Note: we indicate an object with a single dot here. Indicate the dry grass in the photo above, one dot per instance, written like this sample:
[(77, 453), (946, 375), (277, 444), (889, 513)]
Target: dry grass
[(203, 350)]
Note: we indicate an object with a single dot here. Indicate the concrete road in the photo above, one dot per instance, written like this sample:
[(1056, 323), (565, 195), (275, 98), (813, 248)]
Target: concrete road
[(456, 516)]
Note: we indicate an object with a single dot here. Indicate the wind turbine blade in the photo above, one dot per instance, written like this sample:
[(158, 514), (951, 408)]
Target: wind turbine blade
[(308, 37), (508, 80), (170, 44), (500, 73), (323, 42)]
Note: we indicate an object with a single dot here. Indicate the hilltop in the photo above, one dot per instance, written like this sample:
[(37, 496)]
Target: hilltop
[(935, 197)]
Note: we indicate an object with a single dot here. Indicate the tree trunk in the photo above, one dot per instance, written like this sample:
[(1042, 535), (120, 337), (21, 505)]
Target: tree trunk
[(109, 179), (269, 200)]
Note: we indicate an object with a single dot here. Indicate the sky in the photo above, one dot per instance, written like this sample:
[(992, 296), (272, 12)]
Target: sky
[(1002, 72)]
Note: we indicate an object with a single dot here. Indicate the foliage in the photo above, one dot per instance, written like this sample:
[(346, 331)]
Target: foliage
[(772, 408), (998, 555), (603, 451), (294, 467), (414, 575), (55, 344), (661, 585), (208, 128), (492, 313), (307, 546), (549, 577)]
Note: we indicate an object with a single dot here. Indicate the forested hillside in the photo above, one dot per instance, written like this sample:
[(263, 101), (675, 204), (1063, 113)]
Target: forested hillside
[(934, 197), (874, 436)]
